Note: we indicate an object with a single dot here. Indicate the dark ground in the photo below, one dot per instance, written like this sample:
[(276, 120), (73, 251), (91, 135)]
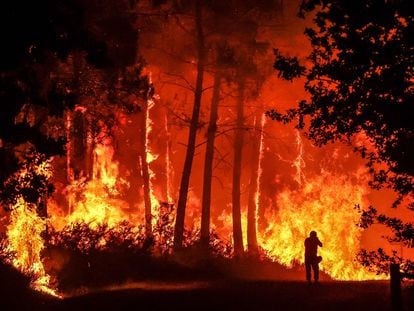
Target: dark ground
[(232, 295), (268, 287)]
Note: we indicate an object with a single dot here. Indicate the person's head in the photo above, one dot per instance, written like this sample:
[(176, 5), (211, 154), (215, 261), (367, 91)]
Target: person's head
[(312, 234)]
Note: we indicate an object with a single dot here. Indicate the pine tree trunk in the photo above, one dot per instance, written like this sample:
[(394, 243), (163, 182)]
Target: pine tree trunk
[(252, 202), (79, 145), (145, 171), (185, 178), (78, 130), (208, 163), (236, 193), (168, 170)]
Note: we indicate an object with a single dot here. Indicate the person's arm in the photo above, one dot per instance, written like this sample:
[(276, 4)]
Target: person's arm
[(319, 243)]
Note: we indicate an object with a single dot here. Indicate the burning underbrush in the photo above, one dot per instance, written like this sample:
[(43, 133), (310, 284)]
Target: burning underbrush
[(99, 243), (82, 256), (94, 237), (317, 206), (79, 256)]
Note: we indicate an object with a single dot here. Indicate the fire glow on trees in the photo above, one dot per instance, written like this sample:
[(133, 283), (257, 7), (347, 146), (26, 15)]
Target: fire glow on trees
[(319, 203), (316, 206), (315, 197)]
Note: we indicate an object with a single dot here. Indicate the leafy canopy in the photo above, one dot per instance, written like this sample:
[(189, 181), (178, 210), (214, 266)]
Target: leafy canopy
[(360, 81)]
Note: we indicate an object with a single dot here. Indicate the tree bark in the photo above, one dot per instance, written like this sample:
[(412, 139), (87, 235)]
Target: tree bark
[(168, 170), (78, 125), (236, 193), (79, 145), (252, 201), (185, 178), (208, 163), (145, 171)]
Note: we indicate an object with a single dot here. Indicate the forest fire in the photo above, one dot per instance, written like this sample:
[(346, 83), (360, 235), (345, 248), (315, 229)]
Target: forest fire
[(322, 203), (192, 141), (25, 242)]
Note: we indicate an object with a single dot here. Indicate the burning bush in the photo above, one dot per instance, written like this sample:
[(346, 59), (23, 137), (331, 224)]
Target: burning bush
[(81, 255)]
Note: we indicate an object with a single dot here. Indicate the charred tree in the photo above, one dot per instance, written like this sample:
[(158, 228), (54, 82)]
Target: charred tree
[(145, 175), (237, 169), (78, 124), (79, 144), (168, 170), (253, 186), (185, 179), (208, 162)]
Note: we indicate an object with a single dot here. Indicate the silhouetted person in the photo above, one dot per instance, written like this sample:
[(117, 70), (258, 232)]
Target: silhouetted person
[(312, 259)]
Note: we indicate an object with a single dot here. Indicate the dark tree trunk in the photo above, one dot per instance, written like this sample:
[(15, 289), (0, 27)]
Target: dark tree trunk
[(185, 179), (237, 163), (42, 207), (253, 200), (145, 170), (168, 172), (208, 163), (78, 127), (79, 145)]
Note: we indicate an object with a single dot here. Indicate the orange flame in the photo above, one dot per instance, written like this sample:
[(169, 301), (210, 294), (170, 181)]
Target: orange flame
[(24, 236), (299, 162), (324, 204), (168, 165), (25, 241), (150, 157), (96, 201), (260, 170)]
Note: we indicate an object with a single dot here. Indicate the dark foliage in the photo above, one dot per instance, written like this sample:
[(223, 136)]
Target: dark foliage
[(28, 183), (379, 262), (288, 67), (82, 238), (50, 49), (361, 83), (37, 35), (403, 232), (78, 256)]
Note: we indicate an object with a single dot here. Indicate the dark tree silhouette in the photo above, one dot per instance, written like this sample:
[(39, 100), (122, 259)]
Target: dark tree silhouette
[(232, 30), (27, 57), (188, 162), (360, 82), (41, 40)]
